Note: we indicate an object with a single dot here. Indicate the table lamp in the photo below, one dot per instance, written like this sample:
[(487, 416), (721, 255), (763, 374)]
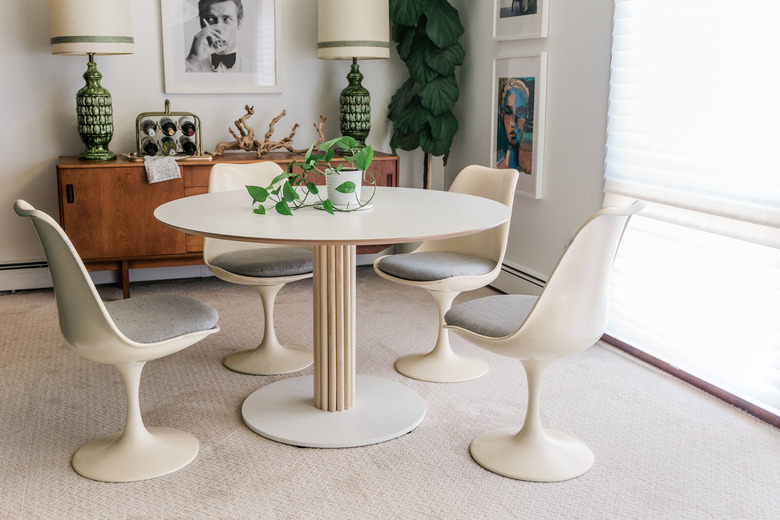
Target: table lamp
[(89, 27), (354, 29)]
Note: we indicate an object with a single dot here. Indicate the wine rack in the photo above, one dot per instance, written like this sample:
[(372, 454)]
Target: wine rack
[(158, 117)]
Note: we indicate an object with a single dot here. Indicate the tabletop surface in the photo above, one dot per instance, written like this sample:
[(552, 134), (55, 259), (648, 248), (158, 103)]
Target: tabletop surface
[(398, 215)]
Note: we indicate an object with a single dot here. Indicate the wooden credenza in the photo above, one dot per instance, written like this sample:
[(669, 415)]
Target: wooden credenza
[(106, 208)]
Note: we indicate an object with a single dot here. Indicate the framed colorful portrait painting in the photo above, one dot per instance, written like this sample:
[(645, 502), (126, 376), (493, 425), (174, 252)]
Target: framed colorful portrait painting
[(520, 19), (220, 46), (517, 137)]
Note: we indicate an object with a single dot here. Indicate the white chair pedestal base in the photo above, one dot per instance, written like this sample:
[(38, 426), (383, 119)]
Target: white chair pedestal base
[(442, 364), (550, 457), (263, 361), (437, 368), (270, 357), (157, 452)]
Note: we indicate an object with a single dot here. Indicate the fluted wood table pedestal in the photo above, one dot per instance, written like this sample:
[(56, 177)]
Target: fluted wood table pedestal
[(283, 411)]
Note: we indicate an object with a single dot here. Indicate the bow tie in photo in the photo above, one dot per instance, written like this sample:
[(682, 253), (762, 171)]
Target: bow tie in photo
[(227, 59)]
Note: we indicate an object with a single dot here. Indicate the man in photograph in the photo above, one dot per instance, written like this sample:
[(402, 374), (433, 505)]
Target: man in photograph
[(215, 47)]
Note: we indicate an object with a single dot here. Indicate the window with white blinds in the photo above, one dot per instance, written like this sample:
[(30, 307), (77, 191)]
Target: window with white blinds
[(694, 130)]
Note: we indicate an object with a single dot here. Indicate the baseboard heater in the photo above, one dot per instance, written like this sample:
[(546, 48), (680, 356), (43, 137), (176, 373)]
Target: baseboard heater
[(24, 265), (24, 275), (515, 271)]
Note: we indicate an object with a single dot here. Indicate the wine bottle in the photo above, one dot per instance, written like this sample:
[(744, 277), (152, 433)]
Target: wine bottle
[(186, 125), (148, 126), (168, 126), (168, 146), (187, 145), (149, 146)]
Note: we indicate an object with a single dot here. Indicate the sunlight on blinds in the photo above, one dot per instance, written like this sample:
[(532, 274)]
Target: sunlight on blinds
[(693, 129), (707, 304), (694, 108)]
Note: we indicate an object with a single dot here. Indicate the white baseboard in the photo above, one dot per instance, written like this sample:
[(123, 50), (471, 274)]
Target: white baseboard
[(24, 278), (21, 278), (36, 276)]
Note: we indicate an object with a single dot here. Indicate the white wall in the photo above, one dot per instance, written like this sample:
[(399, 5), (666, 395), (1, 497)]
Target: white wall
[(578, 48), (39, 121)]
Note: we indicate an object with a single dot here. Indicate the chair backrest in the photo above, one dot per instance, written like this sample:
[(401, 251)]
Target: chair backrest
[(572, 310), (226, 177), (489, 183), (84, 320)]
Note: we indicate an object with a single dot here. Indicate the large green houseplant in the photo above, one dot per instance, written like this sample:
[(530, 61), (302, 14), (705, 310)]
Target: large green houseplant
[(292, 189), (426, 33)]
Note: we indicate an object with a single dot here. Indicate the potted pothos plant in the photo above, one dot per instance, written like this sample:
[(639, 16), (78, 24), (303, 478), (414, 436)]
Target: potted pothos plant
[(290, 191)]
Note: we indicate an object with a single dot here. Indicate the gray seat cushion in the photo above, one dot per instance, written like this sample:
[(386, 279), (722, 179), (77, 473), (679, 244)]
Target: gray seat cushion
[(267, 262), (492, 316), (434, 265), (149, 319)]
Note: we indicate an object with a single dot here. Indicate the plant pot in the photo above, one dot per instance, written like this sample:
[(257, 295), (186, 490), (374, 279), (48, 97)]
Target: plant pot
[(334, 180)]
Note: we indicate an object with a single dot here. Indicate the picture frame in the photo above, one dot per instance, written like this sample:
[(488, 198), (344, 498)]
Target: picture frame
[(520, 19), (519, 88), (255, 67)]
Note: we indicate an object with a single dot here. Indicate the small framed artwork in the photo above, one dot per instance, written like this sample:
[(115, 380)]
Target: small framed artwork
[(517, 120), (227, 46), (520, 19)]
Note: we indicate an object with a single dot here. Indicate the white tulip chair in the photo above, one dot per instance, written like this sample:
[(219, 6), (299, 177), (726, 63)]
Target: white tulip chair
[(126, 334), (567, 317), (447, 267), (264, 267)]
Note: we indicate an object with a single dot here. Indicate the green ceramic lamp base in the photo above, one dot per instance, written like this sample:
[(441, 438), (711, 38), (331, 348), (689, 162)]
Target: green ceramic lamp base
[(95, 116), (97, 153), (355, 102)]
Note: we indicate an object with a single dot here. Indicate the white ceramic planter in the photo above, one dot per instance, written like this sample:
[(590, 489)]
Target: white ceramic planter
[(333, 181)]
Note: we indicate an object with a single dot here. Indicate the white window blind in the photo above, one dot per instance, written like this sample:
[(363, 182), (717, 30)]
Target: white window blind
[(694, 130)]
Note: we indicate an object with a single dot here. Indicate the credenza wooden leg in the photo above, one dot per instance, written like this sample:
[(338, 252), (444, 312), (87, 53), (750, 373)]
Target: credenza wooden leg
[(124, 278)]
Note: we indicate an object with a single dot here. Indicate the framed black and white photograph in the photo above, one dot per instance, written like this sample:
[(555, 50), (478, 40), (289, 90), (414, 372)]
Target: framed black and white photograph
[(520, 19), (220, 46), (517, 121)]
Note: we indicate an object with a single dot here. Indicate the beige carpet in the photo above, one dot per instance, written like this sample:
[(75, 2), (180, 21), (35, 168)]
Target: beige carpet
[(663, 449)]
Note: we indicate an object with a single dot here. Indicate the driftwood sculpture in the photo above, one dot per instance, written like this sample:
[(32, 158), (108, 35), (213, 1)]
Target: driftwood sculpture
[(245, 139)]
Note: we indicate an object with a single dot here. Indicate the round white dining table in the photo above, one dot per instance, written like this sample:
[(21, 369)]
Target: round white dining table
[(347, 409)]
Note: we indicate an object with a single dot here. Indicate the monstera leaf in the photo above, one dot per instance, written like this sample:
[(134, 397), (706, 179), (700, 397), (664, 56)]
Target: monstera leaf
[(440, 94), (443, 23), (443, 126), (400, 99), (413, 116), (404, 37), (419, 70), (434, 147), (405, 12), (444, 61)]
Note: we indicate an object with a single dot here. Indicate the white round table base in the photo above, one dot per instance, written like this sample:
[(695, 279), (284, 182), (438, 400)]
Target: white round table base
[(158, 452), (265, 362), (550, 457), (284, 412), (452, 368)]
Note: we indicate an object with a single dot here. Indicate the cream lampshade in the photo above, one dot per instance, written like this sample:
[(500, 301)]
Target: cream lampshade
[(90, 27), (353, 30)]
